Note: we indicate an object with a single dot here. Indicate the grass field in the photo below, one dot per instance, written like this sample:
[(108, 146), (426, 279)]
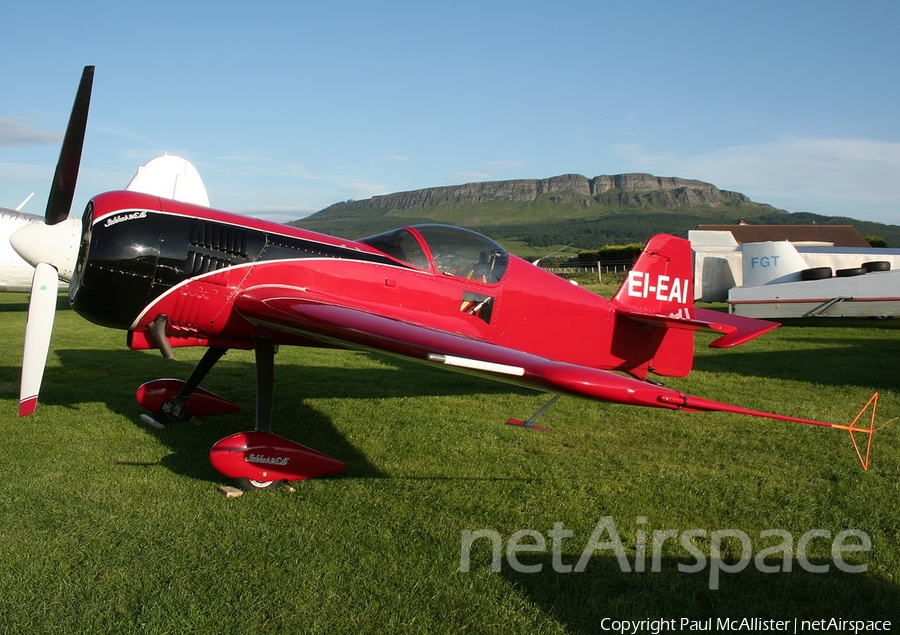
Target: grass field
[(108, 526)]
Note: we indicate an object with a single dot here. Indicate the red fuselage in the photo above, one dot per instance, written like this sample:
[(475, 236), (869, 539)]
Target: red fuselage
[(143, 256)]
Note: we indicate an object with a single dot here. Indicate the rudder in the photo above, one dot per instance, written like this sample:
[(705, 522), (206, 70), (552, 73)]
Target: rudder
[(658, 293), (660, 283)]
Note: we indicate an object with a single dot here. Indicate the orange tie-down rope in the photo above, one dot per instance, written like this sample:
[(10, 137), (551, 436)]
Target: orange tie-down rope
[(698, 404), (869, 431)]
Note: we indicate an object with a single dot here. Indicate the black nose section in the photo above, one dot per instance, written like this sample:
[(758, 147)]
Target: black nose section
[(113, 280)]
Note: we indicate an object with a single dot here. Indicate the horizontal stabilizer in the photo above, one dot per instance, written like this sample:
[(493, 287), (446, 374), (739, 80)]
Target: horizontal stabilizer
[(736, 330)]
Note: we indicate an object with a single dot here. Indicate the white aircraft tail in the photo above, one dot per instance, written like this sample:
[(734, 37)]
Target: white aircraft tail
[(172, 177), (769, 262)]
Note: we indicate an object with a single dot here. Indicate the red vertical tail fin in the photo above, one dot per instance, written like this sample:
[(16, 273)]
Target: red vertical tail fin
[(655, 301), (659, 291), (660, 283)]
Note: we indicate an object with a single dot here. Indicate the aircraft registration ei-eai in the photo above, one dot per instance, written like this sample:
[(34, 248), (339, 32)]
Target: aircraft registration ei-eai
[(175, 274)]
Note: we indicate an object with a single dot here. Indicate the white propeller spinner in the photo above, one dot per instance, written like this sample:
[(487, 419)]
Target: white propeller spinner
[(56, 245)]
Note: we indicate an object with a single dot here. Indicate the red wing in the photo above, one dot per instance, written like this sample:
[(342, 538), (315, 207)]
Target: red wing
[(279, 309)]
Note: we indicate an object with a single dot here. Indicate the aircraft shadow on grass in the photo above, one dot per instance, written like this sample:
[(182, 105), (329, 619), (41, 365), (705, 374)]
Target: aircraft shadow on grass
[(582, 600), (62, 304), (834, 364), (85, 376), (20, 307)]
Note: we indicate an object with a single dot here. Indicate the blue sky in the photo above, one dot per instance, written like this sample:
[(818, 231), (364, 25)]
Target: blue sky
[(287, 107)]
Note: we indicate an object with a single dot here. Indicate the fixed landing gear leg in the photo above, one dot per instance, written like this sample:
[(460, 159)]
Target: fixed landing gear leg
[(201, 370), (265, 350), (265, 383), (529, 423), (175, 408), (259, 459)]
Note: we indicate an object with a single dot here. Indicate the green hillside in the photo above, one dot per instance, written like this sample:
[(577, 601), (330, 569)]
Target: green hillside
[(535, 215)]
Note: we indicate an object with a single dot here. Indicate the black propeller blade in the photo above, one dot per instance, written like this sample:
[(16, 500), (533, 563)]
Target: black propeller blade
[(41, 244), (63, 188)]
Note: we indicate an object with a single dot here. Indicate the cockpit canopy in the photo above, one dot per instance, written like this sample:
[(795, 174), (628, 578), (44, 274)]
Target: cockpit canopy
[(452, 251)]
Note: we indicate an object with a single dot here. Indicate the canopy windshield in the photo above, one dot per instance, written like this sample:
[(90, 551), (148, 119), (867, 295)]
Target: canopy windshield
[(455, 251), (399, 244)]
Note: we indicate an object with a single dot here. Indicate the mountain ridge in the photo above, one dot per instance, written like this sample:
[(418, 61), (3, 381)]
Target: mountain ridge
[(568, 209), (623, 189)]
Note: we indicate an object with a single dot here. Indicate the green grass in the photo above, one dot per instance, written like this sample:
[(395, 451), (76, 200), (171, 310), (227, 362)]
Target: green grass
[(107, 526)]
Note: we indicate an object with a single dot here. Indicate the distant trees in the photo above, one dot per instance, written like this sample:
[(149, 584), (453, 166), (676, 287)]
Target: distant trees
[(876, 241), (613, 253), (594, 233)]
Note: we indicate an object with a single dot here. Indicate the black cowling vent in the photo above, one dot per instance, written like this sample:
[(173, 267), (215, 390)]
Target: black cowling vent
[(219, 237), (197, 263)]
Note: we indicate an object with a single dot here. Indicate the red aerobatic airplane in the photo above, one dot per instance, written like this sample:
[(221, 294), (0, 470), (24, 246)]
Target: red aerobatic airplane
[(174, 274)]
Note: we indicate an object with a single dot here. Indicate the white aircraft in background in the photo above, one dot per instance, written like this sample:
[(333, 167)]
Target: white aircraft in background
[(166, 176), (15, 273), (778, 283)]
